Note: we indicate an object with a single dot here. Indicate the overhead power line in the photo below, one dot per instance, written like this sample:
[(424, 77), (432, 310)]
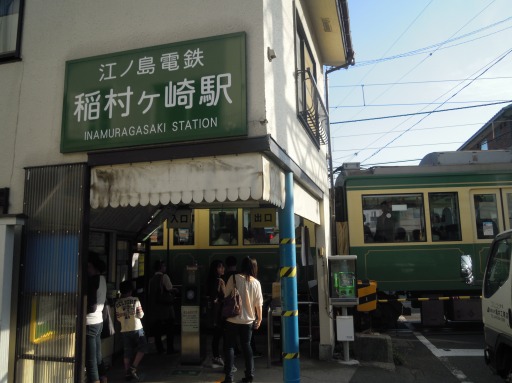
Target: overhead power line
[(416, 104), (419, 113), (438, 46), (400, 146), (420, 82), (422, 129), (475, 76)]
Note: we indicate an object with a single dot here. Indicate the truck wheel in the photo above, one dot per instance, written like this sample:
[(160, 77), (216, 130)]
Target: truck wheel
[(507, 372)]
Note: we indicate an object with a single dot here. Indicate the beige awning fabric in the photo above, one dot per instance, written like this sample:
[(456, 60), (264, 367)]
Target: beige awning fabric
[(210, 179)]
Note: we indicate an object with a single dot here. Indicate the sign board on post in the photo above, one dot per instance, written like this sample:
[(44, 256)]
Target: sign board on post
[(345, 328), (186, 91)]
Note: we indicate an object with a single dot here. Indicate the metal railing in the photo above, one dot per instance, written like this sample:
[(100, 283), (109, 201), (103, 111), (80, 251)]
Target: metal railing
[(311, 109)]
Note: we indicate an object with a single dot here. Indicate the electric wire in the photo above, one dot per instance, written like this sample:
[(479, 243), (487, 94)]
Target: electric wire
[(418, 82), (428, 48), (489, 66), (417, 65), (392, 45), (404, 146), (428, 112), (497, 137), (431, 128)]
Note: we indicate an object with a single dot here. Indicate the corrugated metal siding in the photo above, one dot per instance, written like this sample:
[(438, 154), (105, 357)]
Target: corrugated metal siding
[(49, 309)]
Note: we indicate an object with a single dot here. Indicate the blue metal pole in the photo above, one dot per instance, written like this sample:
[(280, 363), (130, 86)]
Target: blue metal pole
[(288, 275)]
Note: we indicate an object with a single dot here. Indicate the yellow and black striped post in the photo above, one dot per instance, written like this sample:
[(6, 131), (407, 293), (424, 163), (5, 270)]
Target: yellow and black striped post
[(288, 276)]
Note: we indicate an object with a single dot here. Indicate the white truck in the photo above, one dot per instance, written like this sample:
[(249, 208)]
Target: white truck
[(497, 306)]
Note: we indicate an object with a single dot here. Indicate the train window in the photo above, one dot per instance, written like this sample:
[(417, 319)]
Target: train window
[(393, 218), (223, 227), (498, 270), (157, 236), (486, 215), (182, 237), (261, 226), (444, 217), (181, 224)]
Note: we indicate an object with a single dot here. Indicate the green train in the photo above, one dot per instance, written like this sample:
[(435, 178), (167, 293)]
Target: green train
[(410, 227), (218, 233)]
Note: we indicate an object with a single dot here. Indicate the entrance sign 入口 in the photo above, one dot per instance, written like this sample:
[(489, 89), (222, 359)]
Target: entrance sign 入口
[(186, 91)]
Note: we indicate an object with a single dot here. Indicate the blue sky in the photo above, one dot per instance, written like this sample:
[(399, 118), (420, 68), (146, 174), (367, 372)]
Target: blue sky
[(416, 57)]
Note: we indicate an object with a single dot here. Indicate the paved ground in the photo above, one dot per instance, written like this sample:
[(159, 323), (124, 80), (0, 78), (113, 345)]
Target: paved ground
[(168, 368)]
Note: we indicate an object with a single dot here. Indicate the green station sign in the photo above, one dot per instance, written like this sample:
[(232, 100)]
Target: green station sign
[(186, 91)]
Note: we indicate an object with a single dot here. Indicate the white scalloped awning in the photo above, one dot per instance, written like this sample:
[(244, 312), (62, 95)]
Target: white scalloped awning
[(210, 179)]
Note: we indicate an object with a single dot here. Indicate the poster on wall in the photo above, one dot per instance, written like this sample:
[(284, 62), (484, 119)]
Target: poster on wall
[(185, 91)]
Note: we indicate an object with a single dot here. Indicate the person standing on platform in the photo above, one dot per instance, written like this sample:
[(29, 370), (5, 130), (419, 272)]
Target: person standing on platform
[(161, 312), (129, 313), (230, 270), (216, 288), (241, 326), (255, 353), (230, 267), (96, 296)]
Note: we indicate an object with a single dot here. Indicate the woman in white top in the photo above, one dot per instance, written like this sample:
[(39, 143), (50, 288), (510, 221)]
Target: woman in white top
[(96, 296), (250, 317)]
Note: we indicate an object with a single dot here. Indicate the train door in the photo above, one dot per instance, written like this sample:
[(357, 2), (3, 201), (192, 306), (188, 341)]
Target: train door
[(487, 213), (507, 207), (487, 222)]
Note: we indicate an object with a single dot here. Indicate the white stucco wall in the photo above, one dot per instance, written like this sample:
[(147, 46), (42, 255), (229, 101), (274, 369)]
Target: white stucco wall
[(280, 90), (60, 30)]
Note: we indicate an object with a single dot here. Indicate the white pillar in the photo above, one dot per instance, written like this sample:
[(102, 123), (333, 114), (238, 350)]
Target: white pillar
[(7, 226), (326, 346)]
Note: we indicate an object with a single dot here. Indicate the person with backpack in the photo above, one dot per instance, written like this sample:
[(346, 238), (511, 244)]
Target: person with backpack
[(160, 308), (129, 313)]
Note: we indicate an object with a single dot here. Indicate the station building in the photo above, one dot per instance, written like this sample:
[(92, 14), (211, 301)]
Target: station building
[(149, 130)]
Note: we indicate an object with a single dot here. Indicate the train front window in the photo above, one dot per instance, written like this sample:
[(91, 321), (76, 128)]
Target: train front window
[(486, 215), (444, 217), (393, 218)]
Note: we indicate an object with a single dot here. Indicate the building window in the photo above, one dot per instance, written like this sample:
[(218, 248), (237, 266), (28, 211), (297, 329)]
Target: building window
[(311, 110), (11, 12), (484, 145)]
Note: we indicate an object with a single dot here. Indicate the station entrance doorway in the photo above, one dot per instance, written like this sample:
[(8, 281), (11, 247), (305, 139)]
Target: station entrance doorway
[(224, 206)]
